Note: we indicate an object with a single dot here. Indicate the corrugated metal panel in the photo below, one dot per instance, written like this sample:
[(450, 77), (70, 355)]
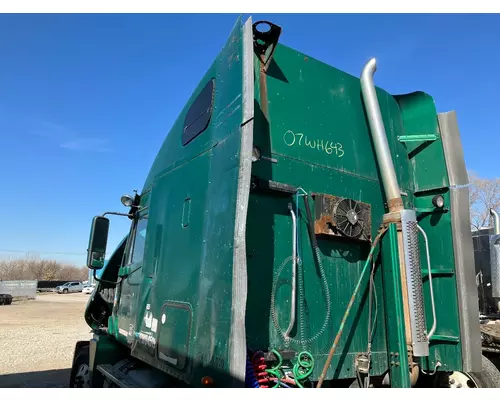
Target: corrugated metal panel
[(19, 288)]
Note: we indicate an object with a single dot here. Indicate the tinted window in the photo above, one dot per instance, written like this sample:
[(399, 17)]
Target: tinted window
[(136, 250), (198, 115)]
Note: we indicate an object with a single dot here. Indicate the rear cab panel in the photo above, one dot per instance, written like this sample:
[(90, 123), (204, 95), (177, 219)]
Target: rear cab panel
[(315, 136)]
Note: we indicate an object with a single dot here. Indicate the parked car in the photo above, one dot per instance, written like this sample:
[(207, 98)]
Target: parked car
[(88, 289), (70, 287)]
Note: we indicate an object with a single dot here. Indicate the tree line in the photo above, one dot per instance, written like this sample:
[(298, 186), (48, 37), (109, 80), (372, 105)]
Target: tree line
[(484, 194), (41, 270)]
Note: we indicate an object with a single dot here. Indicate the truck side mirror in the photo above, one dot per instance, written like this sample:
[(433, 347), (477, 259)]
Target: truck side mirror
[(97, 243)]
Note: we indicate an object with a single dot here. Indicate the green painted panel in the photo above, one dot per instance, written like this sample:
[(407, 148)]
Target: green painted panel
[(312, 107), (269, 235), (437, 226), (188, 254), (431, 178), (427, 158), (317, 116), (318, 136)]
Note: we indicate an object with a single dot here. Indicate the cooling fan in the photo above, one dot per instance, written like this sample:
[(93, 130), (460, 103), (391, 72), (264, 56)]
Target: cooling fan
[(342, 217), (349, 218)]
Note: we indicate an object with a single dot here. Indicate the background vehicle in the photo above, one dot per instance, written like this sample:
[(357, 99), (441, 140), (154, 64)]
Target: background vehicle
[(70, 287), (298, 227), (5, 299), (487, 261), (88, 289)]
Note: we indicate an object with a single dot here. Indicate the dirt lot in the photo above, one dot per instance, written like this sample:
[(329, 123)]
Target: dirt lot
[(37, 339)]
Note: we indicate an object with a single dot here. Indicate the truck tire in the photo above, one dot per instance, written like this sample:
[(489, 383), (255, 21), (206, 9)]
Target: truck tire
[(489, 376), (8, 300), (80, 373), (65, 291)]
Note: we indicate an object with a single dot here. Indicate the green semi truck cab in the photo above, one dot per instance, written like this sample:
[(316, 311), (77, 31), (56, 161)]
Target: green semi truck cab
[(299, 227)]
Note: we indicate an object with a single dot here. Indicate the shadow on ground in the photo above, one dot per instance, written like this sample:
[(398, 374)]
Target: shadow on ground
[(56, 378)]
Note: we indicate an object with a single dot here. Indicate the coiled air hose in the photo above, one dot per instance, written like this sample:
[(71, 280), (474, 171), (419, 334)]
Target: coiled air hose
[(258, 375), (316, 253), (303, 368)]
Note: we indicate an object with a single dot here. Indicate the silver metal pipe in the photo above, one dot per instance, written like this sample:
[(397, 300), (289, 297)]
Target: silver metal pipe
[(387, 171), (433, 303), (496, 222), (294, 273)]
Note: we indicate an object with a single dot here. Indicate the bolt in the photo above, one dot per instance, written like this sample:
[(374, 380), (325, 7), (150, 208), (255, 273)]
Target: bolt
[(397, 364), (392, 362), (452, 381), (459, 385), (397, 354)]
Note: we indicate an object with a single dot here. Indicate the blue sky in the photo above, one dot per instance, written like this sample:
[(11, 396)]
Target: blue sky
[(86, 100)]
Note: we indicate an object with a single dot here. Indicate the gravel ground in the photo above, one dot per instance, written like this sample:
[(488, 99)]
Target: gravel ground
[(37, 339)]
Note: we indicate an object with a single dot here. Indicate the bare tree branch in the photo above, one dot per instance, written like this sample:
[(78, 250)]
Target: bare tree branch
[(484, 194)]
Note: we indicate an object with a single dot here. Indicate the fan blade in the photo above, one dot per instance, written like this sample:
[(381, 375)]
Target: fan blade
[(342, 207)]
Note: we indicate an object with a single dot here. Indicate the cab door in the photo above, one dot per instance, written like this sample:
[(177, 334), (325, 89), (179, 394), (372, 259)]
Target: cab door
[(131, 274)]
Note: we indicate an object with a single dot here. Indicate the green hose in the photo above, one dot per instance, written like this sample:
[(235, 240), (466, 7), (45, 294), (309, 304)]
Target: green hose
[(303, 368), (275, 371)]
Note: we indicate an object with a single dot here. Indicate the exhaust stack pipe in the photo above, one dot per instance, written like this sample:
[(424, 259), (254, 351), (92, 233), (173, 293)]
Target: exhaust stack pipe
[(496, 222), (408, 244), (383, 154)]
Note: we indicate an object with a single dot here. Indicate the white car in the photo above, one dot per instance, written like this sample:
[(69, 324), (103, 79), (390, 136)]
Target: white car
[(88, 289)]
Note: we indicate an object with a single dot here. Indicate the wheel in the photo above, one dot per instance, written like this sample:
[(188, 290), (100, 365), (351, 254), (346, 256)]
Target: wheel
[(8, 301), (489, 377), (80, 374), (65, 291)]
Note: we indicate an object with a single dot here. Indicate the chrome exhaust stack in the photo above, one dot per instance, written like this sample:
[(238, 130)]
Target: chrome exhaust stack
[(496, 222), (411, 273), (382, 152)]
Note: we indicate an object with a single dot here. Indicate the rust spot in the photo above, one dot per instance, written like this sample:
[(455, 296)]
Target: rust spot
[(395, 204), (324, 225), (306, 59), (394, 217), (263, 90)]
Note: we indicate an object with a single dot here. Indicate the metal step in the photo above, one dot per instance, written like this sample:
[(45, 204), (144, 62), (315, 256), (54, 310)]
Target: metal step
[(118, 378)]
